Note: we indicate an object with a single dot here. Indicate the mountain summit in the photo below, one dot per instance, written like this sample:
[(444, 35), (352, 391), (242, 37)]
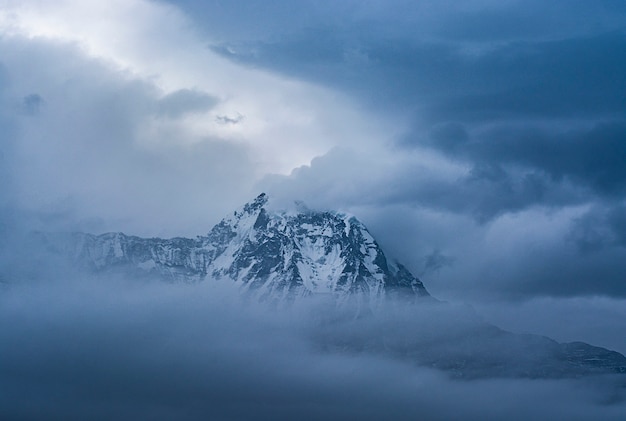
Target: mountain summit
[(280, 256)]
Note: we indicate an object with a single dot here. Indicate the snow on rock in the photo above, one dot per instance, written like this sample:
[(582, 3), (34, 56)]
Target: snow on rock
[(278, 256)]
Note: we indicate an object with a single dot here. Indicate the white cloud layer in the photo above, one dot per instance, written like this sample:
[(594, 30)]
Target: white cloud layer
[(285, 122), (100, 132)]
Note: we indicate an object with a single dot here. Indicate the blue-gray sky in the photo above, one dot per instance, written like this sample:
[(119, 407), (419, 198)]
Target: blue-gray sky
[(486, 137), (483, 143), (489, 134)]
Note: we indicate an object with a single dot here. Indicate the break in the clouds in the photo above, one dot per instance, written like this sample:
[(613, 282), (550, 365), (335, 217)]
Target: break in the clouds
[(117, 117)]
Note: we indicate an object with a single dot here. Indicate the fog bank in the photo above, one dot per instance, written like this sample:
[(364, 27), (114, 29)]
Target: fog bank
[(84, 348)]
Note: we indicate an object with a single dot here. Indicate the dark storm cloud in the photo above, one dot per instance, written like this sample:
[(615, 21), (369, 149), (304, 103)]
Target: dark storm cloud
[(600, 228), (573, 76), (528, 96), (567, 273), (533, 19), (617, 222), (484, 191), (475, 20), (510, 235), (498, 87), (517, 63), (592, 158)]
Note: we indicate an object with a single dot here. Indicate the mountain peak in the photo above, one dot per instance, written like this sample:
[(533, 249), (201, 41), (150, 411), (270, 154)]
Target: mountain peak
[(257, 203), (281, 258), (276, 255), (252, 207), (284, 257)]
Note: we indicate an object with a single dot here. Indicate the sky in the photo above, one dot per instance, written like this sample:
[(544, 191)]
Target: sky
[(482, 142)]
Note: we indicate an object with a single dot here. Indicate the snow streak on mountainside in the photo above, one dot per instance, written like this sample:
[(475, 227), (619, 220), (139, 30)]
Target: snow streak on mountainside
[(277, 255)]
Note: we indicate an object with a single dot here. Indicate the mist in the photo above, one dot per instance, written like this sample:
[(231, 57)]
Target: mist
[(482, 145), (76, 346)]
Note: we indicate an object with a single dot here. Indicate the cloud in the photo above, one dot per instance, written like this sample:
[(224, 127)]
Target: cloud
[(81, 349), (32, 103), (552, 85), (129, 122), (224, 119), (540, 102), (600, 228), (185, 101), (288, 122), (590, 157), (481, 143), (505, 112), (476, 21), (436, 260), (102, 139), (598, 319), (489, 131), (443, 79), (510, 235)]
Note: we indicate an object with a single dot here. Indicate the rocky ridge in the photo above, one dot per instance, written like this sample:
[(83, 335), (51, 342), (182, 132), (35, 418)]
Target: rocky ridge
[(281, 256)]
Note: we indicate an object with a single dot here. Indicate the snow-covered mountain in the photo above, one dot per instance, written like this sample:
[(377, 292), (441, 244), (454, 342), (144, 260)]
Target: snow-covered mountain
[(281, 257), (278, 256)]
